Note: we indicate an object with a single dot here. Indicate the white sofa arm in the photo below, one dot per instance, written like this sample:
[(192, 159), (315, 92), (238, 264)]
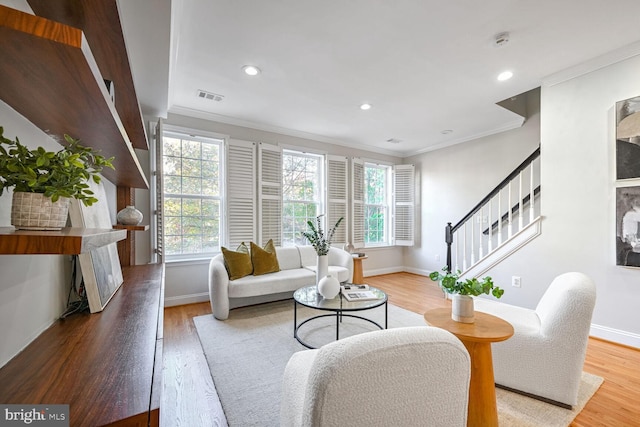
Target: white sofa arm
[(341, 258), (219, 288)]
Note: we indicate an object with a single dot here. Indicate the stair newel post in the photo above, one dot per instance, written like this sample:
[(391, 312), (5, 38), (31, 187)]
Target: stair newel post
[(448, 238)]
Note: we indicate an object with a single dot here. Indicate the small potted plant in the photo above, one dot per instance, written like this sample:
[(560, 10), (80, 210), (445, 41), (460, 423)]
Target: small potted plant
[(43, 181), (462, 292), (321, 244)]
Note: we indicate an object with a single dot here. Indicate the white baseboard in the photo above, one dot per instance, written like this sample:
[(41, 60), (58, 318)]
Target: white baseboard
[(380, 271), (615, 335), (417, 271), (186, 299)]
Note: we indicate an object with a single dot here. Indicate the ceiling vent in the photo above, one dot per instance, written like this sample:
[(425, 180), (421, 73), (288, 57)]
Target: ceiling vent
[(210, 96)]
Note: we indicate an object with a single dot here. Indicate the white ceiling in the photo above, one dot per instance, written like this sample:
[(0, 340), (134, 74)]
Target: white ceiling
[(424, 65)]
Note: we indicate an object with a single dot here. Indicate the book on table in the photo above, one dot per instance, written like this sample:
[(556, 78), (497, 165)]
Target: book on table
[(354, 287), (358, 293)]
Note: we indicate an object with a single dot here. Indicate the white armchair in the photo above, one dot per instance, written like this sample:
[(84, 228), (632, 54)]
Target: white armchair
[(545, 356), (415, 376)]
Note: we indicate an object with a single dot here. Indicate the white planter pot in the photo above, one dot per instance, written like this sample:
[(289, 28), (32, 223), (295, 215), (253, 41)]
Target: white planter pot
[(462, 308), (328, 287), (34, 211), (322, 267)]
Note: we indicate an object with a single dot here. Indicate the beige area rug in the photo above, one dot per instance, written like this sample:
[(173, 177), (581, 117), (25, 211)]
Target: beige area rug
[(247, 354)]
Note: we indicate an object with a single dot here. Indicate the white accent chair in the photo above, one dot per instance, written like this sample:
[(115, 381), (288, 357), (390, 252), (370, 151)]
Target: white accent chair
[(414, 376), (545, 356)]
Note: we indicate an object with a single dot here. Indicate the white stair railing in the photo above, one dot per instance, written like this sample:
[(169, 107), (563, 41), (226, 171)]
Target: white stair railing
[(482, 231)]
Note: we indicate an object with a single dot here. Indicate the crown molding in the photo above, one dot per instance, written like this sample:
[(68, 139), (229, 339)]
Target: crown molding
[(593, 64), (514, 124), (199, 114)]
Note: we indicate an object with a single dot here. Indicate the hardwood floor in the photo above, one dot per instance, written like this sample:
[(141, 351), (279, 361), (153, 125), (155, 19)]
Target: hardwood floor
[(190, 399)]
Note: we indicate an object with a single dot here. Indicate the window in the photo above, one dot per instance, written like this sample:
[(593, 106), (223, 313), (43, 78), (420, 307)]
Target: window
[(302, 194), (192, 195), (376, 204)]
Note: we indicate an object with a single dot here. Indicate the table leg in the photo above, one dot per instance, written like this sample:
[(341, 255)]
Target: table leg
[(338, 319), (295, 316), (483, 410), (386, 316)]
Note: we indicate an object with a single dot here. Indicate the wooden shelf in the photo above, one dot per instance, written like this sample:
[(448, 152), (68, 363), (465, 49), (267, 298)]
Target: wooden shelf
[(50, 76), (68, 241), (131, 227), (106, 366), (99, 20)]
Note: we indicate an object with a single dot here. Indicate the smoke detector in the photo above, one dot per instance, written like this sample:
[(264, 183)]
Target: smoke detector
[(394, 141), (202, 94), (501, 39)]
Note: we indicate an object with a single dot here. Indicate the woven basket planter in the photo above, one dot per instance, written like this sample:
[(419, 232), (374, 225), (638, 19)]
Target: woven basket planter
[(35, 211)]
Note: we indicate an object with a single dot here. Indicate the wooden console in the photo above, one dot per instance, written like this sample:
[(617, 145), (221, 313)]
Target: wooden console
[(106, 366)]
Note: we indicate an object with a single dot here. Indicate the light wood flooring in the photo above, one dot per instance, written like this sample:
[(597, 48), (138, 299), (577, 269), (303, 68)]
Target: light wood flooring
[(190, 399)]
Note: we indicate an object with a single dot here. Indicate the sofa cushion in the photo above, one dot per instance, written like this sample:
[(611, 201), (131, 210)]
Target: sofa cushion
[(238, 262), (282, 281), (264, 260), (288, 257), (340, 273)]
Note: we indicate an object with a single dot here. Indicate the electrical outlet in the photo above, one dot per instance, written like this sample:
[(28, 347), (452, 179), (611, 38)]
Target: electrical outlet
[(516, 281)]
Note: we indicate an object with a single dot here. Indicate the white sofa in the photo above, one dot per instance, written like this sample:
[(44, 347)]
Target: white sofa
[(297, 269), (415, 376), (546, 353)]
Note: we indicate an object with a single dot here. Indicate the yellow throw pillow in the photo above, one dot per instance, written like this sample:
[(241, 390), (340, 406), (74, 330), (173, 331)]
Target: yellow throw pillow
[(238, 262), (264, 260)]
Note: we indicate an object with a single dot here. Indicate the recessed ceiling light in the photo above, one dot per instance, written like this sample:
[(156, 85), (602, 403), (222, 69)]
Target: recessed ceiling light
[(446, 131), (365, 106), (505, 75), (251, 70)]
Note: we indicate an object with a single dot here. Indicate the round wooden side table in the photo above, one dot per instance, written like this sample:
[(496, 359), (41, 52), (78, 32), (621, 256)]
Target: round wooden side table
[(477, 338)]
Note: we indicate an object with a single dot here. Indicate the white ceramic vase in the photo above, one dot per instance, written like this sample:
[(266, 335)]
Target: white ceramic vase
[(462, 308), (328, 287), (322, 267), (129, 216)]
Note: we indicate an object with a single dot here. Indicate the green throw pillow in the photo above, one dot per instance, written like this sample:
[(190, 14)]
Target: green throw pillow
[(264, 260), (238, 262)]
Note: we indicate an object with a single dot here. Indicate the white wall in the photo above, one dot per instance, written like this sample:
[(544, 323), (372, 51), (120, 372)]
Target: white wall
[(33, 288), (188, 282), (578, 198), (578, 201), (454, 179)]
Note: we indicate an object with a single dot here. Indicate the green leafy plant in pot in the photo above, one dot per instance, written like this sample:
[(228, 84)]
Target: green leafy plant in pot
[(321, 243), (462, 292), (44, 181)]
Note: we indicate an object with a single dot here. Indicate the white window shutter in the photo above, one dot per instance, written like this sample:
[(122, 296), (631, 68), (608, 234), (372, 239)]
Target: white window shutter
[(357, 202), (157, 182), (403, 205), (337, 198), (270, 194), (241, 192)]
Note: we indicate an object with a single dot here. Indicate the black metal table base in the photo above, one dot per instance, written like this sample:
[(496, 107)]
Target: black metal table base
[(338, 314)]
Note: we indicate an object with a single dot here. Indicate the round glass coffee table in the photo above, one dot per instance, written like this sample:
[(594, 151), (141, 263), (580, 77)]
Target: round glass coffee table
[(338, 307)]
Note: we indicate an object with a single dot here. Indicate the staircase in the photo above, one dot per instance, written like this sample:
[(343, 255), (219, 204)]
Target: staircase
[(501, 223)]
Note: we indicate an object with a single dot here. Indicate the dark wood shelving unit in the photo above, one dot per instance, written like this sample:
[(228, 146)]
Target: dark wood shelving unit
[(68, 241), (100, 22), (131, 227), (51, 77), (106, 366)]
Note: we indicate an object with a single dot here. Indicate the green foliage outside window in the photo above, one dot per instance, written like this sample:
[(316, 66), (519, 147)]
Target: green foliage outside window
[(191, 170)]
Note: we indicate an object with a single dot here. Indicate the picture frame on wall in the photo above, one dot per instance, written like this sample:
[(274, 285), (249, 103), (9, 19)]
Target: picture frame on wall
[(628, 226), (628, 138)]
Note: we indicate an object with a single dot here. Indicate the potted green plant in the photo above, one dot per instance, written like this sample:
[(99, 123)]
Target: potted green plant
[(462, 292), (321, 244), (44, 181)]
